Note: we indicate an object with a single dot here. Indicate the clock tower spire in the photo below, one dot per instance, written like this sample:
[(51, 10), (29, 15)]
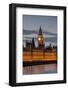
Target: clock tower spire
[(40, 38)]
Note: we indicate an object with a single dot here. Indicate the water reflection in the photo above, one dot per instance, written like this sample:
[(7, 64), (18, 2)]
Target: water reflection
[(40, 69)]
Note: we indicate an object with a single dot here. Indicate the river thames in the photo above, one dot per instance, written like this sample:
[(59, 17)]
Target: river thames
[(40, 69)]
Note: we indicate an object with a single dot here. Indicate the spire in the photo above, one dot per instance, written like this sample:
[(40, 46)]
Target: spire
[(33, 43), (40, 31)]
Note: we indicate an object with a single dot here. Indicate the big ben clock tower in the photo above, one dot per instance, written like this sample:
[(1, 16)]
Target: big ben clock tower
[(40, 39)]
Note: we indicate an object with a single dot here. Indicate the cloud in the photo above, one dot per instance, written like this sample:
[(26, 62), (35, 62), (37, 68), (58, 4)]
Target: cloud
[(29, 32), (51, 39), (48, 36), (47, 39)]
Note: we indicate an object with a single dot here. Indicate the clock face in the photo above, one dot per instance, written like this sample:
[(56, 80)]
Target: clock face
[(39, 39)]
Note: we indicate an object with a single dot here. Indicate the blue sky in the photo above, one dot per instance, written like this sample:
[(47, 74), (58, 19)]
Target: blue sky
[(32, 23)]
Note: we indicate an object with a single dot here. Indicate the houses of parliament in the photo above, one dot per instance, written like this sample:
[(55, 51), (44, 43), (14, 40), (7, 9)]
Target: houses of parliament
[(31, 53)]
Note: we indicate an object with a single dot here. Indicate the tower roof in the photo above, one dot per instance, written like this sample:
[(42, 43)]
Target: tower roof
[(40, 31)]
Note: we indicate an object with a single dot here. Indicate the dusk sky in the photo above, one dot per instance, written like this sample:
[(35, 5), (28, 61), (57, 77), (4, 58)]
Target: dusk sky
[(48, 24)]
